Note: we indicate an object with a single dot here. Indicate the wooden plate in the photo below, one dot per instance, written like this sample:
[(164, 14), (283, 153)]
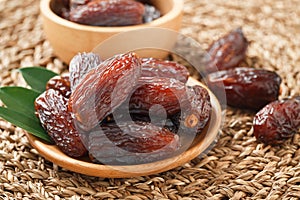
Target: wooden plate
[(200, 144)]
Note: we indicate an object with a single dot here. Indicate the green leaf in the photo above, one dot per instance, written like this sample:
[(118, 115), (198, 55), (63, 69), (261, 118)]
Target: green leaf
[(19, 99), (25, 122), (37, 77)]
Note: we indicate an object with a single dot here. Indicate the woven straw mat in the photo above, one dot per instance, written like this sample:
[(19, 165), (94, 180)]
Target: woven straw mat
[(238, 167)]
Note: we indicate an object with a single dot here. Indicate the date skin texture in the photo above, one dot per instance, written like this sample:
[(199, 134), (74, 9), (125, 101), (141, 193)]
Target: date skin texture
[(152, 67), (277, 121), (194, 118), (51, 109), (61, 84), (80, 65), (189, 107), (104, 88), (167, 92), (246, 88), (227, 52), (109, 13), (131, 142), (199, 113)]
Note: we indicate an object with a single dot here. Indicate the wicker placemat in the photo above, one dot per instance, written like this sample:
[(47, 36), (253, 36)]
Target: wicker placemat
[(236, 168)]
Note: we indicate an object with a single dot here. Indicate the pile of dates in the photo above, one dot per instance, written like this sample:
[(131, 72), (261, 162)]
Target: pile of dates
[(131, 110), (108, 12), (250, 88), (124, 109)]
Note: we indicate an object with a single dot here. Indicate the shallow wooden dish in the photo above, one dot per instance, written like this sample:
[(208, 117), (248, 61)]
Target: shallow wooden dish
[(68, 38), (201, 143)]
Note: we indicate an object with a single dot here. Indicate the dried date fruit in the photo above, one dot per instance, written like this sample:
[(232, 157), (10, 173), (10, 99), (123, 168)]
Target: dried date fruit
[(227, 52), (195, 117), (277, 121), (109, 13), (157, 120), (153, 118), (139, 137), (61, 84), (104, 88), (192, 102), (199, 113), (168, 93), (51, 109), (80, 65), (152, 67), (131, 143), (246, 87)]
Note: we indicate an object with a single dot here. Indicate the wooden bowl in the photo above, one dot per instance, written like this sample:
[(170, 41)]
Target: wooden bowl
[(68, 38), (200, 144)]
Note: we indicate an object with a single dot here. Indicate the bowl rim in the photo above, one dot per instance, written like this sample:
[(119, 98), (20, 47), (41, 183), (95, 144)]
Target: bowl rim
[(48, 13)]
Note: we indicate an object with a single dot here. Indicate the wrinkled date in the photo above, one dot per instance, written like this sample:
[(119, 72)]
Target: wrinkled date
[(109, 13), (61, 84), (246, 87), (152, 67), (170, 94), (160, 121), (277, 121), (80, 65), (128, 136), (167, 103), (199, 112), (153, 118), (188, 107), (51, 109), (104, 88), (227, 52), (195, 117), (131, 142)]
